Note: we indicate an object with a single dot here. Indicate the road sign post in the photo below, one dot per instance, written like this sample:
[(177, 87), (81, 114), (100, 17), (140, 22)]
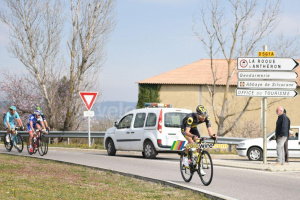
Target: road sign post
[(89, 99), (266, 76), (264, 125)]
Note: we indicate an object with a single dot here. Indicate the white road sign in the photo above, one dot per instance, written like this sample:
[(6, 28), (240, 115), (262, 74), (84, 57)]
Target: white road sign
[(267, 75), (89, 113), (266, 64), (265, 93), (267, 84)]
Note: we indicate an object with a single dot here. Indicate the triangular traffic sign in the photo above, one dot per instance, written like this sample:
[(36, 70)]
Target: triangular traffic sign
[(88, 98)]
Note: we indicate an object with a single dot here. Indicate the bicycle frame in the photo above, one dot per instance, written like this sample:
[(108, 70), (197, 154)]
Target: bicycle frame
[(201, 149)]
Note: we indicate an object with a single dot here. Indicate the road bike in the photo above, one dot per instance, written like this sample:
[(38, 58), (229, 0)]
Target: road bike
[(199, 162), (11, 141), (39, 143)]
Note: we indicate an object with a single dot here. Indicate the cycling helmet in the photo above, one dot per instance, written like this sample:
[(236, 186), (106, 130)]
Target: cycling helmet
[(201, 110), (13, 108), (38, 108), (37, 112)]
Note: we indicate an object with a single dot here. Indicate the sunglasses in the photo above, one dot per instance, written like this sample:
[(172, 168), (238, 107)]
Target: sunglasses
[(202, 116)]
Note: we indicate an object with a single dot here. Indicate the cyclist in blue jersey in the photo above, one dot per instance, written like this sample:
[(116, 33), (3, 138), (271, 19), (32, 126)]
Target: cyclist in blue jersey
[(8, 121), (35, 122)]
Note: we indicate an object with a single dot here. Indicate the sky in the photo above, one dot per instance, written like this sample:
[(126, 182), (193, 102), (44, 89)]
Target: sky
[(151, 37)]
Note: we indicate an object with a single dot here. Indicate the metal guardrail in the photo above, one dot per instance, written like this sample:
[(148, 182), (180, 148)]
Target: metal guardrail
[(84, 134), (226, 140), (65, 134), (100, 134)]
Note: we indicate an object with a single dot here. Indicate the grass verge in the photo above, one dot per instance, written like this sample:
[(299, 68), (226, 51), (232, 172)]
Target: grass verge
[(27, 178)]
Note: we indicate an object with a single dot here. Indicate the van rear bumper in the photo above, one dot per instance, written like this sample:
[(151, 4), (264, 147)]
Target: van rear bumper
[(169, 151), (166, 149), (164, 146)]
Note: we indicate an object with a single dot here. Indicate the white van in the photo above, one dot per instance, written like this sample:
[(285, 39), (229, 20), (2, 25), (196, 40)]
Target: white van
[(151, 130)]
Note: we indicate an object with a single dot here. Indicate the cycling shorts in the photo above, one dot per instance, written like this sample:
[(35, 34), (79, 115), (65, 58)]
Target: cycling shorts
[(34, 126)]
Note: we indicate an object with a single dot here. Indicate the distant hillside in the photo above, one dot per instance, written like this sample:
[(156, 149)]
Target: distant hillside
[(112, 108)]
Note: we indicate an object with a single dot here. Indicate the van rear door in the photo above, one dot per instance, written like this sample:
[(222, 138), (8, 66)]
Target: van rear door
[(172, 127)]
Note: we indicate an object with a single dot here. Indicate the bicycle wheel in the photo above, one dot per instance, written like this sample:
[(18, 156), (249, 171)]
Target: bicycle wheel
[(205, 168), (19, 143), (35, 147), (186, 173), (8, 145), (46, 145), (42, 147)]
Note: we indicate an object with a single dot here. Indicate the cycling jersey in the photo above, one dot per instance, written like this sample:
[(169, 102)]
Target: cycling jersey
[(42, 119), (10, 118), (34, 121), (192, 122)]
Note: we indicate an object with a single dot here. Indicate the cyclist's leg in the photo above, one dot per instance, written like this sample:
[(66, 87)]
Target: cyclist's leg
[(189, 139), (30, 132), (195, 132), (7, 135), (12, 128), (39, 127)]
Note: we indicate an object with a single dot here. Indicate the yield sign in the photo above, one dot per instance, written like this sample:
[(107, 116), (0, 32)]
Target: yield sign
[(88, 98)]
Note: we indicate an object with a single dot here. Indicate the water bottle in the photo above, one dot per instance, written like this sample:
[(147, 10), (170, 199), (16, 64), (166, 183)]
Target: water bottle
[(34, 139)]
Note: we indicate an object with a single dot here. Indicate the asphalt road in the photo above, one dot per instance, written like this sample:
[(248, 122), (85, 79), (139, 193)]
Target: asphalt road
[(231, 182)]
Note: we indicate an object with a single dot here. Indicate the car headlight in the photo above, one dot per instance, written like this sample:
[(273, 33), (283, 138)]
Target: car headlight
[(241, 144)]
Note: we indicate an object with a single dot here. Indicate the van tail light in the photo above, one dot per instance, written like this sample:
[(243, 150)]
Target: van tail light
[(159, 143), (159, 126)]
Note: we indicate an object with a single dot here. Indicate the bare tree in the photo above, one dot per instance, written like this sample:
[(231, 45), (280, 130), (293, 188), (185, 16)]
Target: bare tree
[(36, 29), (285, 46), (35, 35), (92, 22), (233, 28)]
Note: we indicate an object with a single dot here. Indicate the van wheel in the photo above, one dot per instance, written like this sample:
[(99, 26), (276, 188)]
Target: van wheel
[(149, 150), (111, 151), (255, 153), (143, 153)]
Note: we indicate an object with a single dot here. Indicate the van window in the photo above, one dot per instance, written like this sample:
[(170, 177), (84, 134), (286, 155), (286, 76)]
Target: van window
[(174, 119), (125, 122), (139, 120), (151, 120)]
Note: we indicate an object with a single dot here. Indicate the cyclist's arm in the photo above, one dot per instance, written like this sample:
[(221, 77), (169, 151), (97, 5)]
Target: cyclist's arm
[(189, 123), (6, 119), (210, 132), (46, 124), (19, 119), (209, 129), (43, 125), (20, 122), (8, 124), (187, 132)]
